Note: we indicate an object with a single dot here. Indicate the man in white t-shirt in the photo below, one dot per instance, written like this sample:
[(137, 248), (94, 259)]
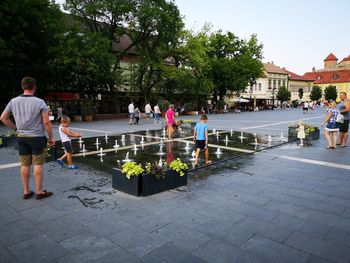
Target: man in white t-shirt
[(148, 110), (157, 113), (305, 107), (131, 110)]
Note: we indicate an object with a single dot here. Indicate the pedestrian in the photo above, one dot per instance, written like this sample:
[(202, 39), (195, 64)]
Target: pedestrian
[(131, 110), (148, 110), (59, 112), (157, 113), (137, 116), (65, 134), (301, 133), (344, 109), (332, 127), (170, 120), (305, 107), (32, 120), (200, 138), (51, 117)]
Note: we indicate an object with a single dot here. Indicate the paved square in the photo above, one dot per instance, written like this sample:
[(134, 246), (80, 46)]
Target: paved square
[(284, 204)]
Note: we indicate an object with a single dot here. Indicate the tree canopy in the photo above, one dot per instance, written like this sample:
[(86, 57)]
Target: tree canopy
[(316, 93), (29, 29), (84, 51), (283, 94), (330, 93)]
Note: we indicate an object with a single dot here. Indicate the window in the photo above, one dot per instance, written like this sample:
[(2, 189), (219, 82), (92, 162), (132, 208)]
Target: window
[(259, 86), (279, 83), (335, 76), (319, 77), (274, 83), (284, 83), (270, 86)]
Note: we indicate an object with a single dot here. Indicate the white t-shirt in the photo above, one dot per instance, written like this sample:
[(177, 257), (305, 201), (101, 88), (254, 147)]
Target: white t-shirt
[(131, 108), (156, 109), (148, 108), (64, 137), (306, 105)]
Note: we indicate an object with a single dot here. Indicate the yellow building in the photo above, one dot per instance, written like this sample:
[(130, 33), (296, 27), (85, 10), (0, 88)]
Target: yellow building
[(333, 73)]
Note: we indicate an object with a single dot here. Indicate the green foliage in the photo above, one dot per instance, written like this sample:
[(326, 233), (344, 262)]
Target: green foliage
[(83, 64), (28, 32), (234, 63), (132, 169), (87, 108), (178, 166), (316, 93), (283, 94), (189, 77), (300, 93), (295, 103), (156, 170), (330, 93)]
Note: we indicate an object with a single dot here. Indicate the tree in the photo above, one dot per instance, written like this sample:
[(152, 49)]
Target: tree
[(29, 29), (283, 94), (152, 26), (316, 93), (301, 93), (83, 64), (156, 29), (330, 93), (234, 63), (188, 80)]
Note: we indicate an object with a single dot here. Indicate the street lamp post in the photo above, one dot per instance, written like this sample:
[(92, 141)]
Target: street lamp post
[(273, 98)]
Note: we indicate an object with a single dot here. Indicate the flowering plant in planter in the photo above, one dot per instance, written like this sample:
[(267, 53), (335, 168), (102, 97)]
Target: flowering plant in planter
[(178, 166), (132, 169), (159, 171), (10, 134), (310, 129)]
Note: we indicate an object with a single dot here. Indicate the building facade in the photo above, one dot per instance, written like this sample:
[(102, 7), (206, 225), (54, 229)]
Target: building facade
[(265, 89), (297, 82), (333, 73)]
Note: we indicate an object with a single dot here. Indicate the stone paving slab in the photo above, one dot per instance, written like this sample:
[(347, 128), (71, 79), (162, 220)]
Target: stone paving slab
[(262, 208)]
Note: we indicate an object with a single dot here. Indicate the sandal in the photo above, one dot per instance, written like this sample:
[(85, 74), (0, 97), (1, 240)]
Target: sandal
[(208, 162), (29, 195), (329, 147), (44, 194)]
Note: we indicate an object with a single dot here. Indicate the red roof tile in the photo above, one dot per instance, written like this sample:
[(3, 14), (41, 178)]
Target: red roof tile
[(330, 57), (293, 76), (328, 76), (272, 68), (345, 59)]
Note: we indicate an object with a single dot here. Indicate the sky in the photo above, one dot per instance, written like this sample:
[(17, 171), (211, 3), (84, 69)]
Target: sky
[(296, 34)]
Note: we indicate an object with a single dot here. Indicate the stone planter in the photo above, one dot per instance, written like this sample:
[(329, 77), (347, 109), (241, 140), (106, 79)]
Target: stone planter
[(315, 135), (77, 118), (130, 186), (88, 118), (152, 185), (175, 179), (191, 113), (3, 141), (51, 154), (292, 133)]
